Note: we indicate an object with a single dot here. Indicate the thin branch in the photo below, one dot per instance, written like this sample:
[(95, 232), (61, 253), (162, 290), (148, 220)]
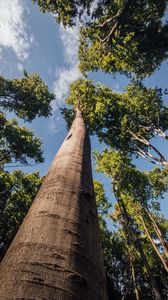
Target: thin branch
[(161, 160), (152, 243), (144, 155), (107, 21), (118, 20), (157, 131)]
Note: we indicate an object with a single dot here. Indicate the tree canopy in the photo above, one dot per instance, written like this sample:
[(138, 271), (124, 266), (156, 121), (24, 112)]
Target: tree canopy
[(125, 121), (128, 36), (28, 98)]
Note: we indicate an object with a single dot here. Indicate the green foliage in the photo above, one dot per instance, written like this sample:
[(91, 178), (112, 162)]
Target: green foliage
[(64, 11), (17, 191), (137, 194), (121, 120), (27, 97), (103, 205), (111, 250), (116, 36), (141, 186), (18, 144), (134, 40)]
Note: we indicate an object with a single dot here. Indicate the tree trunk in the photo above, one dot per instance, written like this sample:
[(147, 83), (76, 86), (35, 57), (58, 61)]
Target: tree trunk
[(56, 253), (153, 244), (159, 234), (134, 280), (149, 272)]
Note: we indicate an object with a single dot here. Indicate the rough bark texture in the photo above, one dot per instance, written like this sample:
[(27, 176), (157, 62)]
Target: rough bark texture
[(56, 253)]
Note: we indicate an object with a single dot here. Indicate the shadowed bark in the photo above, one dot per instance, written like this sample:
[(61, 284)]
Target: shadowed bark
[(56, 253)]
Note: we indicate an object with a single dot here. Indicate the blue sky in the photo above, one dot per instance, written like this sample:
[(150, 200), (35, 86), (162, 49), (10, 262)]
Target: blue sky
[(33, 41)]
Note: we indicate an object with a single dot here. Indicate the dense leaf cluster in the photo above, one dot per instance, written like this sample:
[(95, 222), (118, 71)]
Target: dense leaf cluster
[(28, 98)]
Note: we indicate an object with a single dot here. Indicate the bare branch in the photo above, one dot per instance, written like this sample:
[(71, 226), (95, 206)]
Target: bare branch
[(157, 131), (107, 21), (148, 155), (145, 156)]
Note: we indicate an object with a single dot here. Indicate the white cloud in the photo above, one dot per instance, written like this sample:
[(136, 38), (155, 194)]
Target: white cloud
[(70, 40), (64, 78), (13, 28), (66, 75)]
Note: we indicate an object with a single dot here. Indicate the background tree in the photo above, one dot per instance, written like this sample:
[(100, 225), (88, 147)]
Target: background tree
[(138, 196), (27, 98), (17, 191)]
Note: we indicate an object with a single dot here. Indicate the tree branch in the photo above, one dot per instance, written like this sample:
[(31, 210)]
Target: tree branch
[(161, 160), (157, 131), (146, 154), (118, 20)]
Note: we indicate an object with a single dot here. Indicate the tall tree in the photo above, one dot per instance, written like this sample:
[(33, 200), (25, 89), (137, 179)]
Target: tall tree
[(56, 253)]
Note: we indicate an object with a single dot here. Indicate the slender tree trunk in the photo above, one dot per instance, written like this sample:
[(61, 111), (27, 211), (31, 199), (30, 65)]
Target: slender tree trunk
[(159, 234), (56, 254), (153, 244), (150, 274), (134, 280), (137, 244)]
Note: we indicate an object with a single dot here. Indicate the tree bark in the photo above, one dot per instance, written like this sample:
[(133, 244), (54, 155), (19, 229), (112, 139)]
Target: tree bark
[(56, 253), (134, 280)]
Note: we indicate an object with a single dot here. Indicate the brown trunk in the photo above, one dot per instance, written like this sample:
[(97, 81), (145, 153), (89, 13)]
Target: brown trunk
[(56, 253), (134, 280), (153, 244), (159, 234)]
